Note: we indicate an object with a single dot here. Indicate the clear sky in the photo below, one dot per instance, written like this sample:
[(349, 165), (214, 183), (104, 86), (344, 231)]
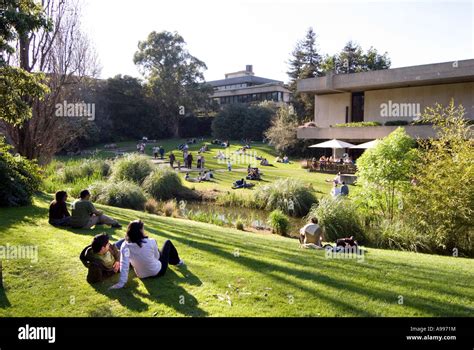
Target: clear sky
[(228, 34)]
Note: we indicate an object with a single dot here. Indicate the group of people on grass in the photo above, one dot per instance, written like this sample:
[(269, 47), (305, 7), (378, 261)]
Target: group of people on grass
[(203, 176), (158, 150), (312, 236), (339, 188), (103, 259)]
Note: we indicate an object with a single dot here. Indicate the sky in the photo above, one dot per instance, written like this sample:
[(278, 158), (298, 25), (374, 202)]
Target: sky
[(229, 34)]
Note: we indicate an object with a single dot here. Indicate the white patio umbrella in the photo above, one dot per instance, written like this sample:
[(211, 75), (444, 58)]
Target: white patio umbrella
[(334, 144), (365, 145)]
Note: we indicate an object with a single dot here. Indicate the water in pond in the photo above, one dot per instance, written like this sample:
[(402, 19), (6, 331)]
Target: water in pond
[(250, 217)]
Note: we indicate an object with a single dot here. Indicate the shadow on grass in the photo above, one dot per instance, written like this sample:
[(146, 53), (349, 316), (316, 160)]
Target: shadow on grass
[(27, 214), (4, 302), (387, 296), (166, 290)]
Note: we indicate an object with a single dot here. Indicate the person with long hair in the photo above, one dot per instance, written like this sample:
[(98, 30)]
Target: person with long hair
[(143, 253)]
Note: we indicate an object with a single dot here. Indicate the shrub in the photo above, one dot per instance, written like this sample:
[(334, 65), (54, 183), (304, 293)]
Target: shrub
[(170, 208), (133, 168), (238, 121), (87, 168), (396, 122), (19, 178), (397, 235), (282, 193), (123, 194), (279, 222), (338, 218), (239, 225), (152, 206), (163, 184), (356, 125)]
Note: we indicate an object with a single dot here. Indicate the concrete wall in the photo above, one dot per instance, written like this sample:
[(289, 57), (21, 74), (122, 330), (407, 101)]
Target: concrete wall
[(331, 109), (426, 96), (362, 134)]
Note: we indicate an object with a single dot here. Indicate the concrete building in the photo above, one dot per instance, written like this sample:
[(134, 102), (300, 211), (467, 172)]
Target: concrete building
[(385, 95), (245, 87)]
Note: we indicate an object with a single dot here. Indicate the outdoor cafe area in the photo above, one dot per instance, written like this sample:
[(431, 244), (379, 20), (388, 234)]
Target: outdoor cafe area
[(340, 161)]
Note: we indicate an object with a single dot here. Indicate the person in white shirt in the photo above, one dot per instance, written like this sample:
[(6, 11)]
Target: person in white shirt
[(336, 191), (311, 235), (142, 252)]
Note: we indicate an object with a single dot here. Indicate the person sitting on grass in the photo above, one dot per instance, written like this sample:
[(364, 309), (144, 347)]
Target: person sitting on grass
[(101, 258), (239, 183), (311, 235), (143, 254), (85, 215), (335, 191), (344, 189), (58, 213)]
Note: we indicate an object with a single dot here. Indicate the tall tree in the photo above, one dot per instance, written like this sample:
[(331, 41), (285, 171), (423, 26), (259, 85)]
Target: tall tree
[(350, 59), (174, 77), (305, 62), (67, 58), (18, 20)]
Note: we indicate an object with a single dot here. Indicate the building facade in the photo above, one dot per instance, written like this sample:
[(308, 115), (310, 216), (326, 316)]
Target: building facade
[(245, 87), (384, 96)]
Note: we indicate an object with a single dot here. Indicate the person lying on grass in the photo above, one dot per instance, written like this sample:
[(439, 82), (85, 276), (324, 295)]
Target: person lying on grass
[(101, 258), (58, 213), (311, 235), (143, 254), (85, 215)]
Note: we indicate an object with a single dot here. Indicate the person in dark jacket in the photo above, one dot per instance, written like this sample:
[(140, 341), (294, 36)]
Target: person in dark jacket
[(344, 189), (101, 258), (58, 213)]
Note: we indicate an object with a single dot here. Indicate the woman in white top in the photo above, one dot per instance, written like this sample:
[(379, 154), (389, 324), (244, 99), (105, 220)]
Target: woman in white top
[(142, 252)]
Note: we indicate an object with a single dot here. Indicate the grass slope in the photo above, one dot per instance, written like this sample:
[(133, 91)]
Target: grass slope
[(224, 179), (228, 273)]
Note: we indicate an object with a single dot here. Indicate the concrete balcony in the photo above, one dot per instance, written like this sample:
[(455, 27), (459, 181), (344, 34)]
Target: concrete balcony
[(362, 134)]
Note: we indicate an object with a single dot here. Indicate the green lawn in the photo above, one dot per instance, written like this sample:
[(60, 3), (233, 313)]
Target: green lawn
[(228, 273), (223, 178)]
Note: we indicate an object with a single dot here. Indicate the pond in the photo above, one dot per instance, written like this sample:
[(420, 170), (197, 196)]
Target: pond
[(255, 218)]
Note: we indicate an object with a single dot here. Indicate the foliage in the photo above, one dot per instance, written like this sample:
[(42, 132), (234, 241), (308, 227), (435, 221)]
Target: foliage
[(19, 178), (338, 217), (163, 184), (396, 122), (123, 194), (356, 125), (397, 235), (18, 18), (384, 172), (170, 208), (240, 121), (279, 222), (441, 203), (282, 132), (132, 167), (289, 195), (18, 87), (175, 79)]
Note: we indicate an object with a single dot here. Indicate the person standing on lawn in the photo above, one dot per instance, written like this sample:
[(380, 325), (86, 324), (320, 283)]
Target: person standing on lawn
[(172, 159), (162, 152)]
